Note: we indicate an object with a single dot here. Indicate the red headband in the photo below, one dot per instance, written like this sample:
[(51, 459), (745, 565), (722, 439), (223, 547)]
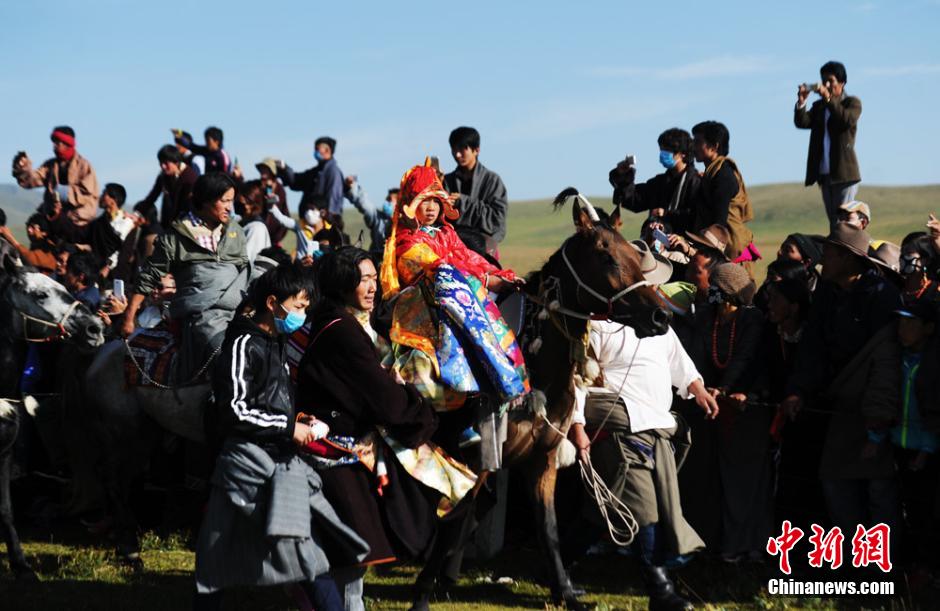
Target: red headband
[(63, 138)]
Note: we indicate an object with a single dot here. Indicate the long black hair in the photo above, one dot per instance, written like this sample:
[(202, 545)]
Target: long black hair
[(338, 274)]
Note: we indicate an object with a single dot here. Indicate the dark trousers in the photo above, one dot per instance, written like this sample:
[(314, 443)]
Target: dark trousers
[(862, 501), (921, 536)]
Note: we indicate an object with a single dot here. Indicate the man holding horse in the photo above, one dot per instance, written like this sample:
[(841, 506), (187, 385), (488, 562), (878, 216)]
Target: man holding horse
[(624, 426)]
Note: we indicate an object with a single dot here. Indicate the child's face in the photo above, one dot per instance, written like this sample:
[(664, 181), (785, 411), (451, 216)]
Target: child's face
[(913, 332), (107, 203), (427, 212), (212, 144), (61, 262), (789, 251), (35, 233)]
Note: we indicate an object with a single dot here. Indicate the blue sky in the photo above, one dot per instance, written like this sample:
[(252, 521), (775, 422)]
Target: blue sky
[(559, 90)]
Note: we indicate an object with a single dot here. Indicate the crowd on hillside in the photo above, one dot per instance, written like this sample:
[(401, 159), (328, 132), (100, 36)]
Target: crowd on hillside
[(809, 395)]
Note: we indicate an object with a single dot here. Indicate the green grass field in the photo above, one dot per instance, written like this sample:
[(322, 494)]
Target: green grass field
[(80, 573), (77, 572), (535, 231)]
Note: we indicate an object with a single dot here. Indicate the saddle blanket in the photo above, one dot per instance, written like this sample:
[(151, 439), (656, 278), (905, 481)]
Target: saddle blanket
[(150, 357)]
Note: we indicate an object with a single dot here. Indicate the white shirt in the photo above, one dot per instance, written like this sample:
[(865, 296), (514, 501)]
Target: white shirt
[(643, 371), (122, 224)]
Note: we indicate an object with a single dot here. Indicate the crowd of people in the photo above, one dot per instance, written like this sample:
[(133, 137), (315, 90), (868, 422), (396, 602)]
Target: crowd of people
[(809, 395)]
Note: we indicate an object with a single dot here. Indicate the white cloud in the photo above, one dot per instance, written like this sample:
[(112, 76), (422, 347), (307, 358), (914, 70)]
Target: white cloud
[(724, 65), (908, 70)]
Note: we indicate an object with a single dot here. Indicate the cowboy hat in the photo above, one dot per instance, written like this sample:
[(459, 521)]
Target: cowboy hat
[(887, 256), (851, 238), (715, 237), (656, 268)]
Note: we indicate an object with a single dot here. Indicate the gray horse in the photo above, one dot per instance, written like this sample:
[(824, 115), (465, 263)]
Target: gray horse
[(124, 424), (33, 308)]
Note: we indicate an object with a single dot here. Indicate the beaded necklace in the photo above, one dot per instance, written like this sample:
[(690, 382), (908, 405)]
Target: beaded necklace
[(715, 360)]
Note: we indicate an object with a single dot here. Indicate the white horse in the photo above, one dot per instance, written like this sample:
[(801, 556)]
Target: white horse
[(33, 308)]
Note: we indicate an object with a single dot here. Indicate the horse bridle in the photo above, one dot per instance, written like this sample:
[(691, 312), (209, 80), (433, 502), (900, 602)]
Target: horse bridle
[(587, 289), (61, 331)]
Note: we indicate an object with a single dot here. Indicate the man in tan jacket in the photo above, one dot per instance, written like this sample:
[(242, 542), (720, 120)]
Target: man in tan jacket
[(71, 197)]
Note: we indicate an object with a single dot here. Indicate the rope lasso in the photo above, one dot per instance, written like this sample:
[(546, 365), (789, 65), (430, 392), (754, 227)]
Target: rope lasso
[(610, 507)]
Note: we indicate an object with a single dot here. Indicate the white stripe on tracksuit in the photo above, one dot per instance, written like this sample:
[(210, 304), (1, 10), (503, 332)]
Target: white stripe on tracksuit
[(240, 391)]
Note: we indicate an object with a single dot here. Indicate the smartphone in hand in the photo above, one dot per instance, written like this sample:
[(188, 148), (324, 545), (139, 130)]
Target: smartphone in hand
[(660, 236), (118, 289)]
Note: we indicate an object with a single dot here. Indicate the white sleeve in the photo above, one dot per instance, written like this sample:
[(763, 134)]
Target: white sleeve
[(682, 370), (257, 239), (580, 398), (283, 219)]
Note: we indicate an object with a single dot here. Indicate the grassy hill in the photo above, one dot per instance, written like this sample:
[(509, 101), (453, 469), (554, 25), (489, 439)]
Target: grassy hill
[(535, 230), (18, 204)]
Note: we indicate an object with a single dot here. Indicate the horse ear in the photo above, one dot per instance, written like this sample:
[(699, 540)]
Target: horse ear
[(9, 264), (616, 221), (582, 220)]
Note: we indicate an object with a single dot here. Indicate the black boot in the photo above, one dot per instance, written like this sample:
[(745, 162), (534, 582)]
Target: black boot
[(662, 592)]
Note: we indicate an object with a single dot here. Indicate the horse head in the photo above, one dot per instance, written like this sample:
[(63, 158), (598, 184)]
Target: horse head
[(598, 273), (36, 308)]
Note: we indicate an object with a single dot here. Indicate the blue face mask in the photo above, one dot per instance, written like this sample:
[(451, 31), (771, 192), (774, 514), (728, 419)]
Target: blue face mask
[(290, 323), (388, 209), (317, 156), (667, 159)]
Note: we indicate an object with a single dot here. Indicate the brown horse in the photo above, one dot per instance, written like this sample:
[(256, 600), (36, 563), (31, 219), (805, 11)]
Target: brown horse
[(594, 275)]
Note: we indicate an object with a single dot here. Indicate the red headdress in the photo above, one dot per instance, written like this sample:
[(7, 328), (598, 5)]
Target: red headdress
[(418, 184)]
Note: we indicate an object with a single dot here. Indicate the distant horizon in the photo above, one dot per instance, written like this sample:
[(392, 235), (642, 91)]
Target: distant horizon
[(292, 195)]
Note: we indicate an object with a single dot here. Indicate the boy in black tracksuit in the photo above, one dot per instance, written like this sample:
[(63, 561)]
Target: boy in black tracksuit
[(253, 402)]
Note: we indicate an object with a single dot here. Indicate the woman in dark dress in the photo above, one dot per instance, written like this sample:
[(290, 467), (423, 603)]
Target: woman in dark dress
[(341, 382), (726, 481)]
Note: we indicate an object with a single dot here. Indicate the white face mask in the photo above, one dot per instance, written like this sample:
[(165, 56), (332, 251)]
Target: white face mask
[(312, 216)]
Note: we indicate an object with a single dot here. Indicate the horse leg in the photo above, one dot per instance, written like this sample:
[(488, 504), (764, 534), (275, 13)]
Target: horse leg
[(542, 475), (449, 541), (18, 562), (124, 524)]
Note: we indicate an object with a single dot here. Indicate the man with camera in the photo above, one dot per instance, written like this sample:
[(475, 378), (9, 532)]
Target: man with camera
[(833, 121), (70, 201)]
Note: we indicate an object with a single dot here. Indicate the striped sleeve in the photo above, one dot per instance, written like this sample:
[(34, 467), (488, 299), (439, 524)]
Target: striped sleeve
[(241, 372)]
